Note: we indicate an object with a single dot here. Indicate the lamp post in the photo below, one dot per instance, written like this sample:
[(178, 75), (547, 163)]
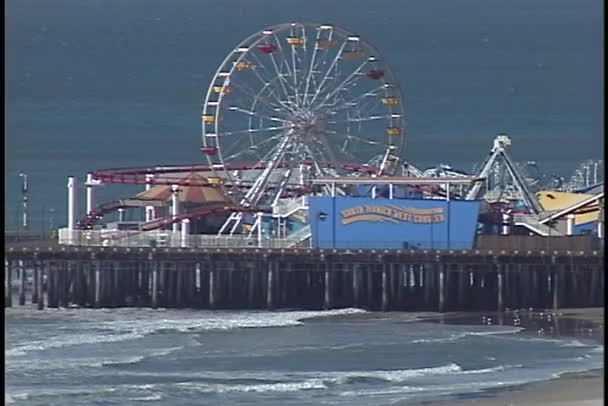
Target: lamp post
[(23, 177)]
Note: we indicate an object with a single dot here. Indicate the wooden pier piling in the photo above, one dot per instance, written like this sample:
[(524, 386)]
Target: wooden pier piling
[(385, 280), (21, 286)]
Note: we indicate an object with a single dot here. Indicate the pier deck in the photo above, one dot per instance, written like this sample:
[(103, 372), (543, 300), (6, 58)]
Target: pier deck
[(255, 278)]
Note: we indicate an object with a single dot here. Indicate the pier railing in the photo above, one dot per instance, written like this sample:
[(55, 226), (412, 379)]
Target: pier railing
[(161, 238), (156, 238)]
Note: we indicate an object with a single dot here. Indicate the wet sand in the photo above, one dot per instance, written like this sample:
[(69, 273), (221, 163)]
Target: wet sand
[(573, 389)]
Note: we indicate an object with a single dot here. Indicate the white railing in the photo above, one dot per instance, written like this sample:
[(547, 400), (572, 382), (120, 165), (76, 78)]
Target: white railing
[(158, 238), (299, 236), (286, 207)]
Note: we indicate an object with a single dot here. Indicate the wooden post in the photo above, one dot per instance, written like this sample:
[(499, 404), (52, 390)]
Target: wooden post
[(155, 284), (40, 286), (212, 287), (555, 290), (370, 286), (427, 284), (327, 285), (251, 288), (593, 284), (442, 287), (35, 280), (179, 270), (400, 282), (499, 283), (269, 285), (21, 287), (98, 284), (356, 285), (7, 284), (385, 288)]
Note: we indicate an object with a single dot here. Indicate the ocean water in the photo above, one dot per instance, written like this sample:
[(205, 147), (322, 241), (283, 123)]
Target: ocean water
[(339, 357), (97, 84)]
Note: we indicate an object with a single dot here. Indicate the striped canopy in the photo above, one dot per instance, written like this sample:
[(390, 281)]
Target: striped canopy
[(185, 194)]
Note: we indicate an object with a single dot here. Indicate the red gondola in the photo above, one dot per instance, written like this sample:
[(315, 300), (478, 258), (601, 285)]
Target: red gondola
[(267, 48), (209, 151), (375, 74)]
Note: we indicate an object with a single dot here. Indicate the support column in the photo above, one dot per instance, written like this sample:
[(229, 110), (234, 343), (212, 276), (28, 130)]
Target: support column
[(570, 224), (385, 288), (98, 284), (8, 300), (499, 283), (149, 209), (21, 287), (175, 206), (327, 285), (370, 286), (442, 288), (90, 184), (212, 287), (556, 290), (251, 288), (40, 286), (356, 285), (121, 215), (155, 284), (35, 280), (185, 233), (269, 286), (72, 209)]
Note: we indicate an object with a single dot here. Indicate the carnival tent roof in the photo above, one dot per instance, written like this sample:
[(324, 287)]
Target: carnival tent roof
[(185, 194)]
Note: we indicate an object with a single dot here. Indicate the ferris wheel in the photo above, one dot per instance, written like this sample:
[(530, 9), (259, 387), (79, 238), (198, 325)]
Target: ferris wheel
[(300, 97)]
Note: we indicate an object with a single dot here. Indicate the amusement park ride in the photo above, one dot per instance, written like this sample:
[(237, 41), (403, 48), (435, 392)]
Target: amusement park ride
[(291, 104)]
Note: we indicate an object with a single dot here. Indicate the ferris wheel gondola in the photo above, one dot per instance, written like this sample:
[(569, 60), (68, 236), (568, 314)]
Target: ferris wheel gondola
[(295, 93)]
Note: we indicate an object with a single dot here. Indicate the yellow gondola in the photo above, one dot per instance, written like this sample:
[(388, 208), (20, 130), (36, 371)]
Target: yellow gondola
[(243, 65), (325, 43), (208, 119), (222, 89), (295, 41), (393, 131), (390, 101), (352, 55), (215, 180)]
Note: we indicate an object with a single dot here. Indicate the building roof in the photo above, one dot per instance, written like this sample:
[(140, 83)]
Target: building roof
[(185, 194)]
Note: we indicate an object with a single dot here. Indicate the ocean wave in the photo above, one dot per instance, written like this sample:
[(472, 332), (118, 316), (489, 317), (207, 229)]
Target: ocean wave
[(459, 336), (69, 363), (131, 329), (67, 341), (309, 384), (576, 343), (206, 320), (150, 398), (291, 380), (436, 389)]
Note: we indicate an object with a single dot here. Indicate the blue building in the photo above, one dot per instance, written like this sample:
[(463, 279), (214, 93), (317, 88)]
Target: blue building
[(362, 222)]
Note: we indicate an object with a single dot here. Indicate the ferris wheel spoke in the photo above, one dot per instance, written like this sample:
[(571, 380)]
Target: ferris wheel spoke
[(257, 130), (256, 114), (250, 92), (281, 78), (331, 67), (350, 103), (344, 85), (311, 66), (268, 83)]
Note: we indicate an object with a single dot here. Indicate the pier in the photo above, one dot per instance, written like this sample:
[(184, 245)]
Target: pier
[(302, 278)]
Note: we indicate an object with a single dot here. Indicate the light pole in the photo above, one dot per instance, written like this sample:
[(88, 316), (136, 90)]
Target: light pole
[(23, 177)]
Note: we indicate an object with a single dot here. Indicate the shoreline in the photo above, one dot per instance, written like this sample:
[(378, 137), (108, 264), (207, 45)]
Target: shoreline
[(584, 388)]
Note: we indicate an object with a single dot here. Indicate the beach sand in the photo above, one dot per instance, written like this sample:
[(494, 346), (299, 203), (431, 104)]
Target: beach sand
[(573, 389)]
